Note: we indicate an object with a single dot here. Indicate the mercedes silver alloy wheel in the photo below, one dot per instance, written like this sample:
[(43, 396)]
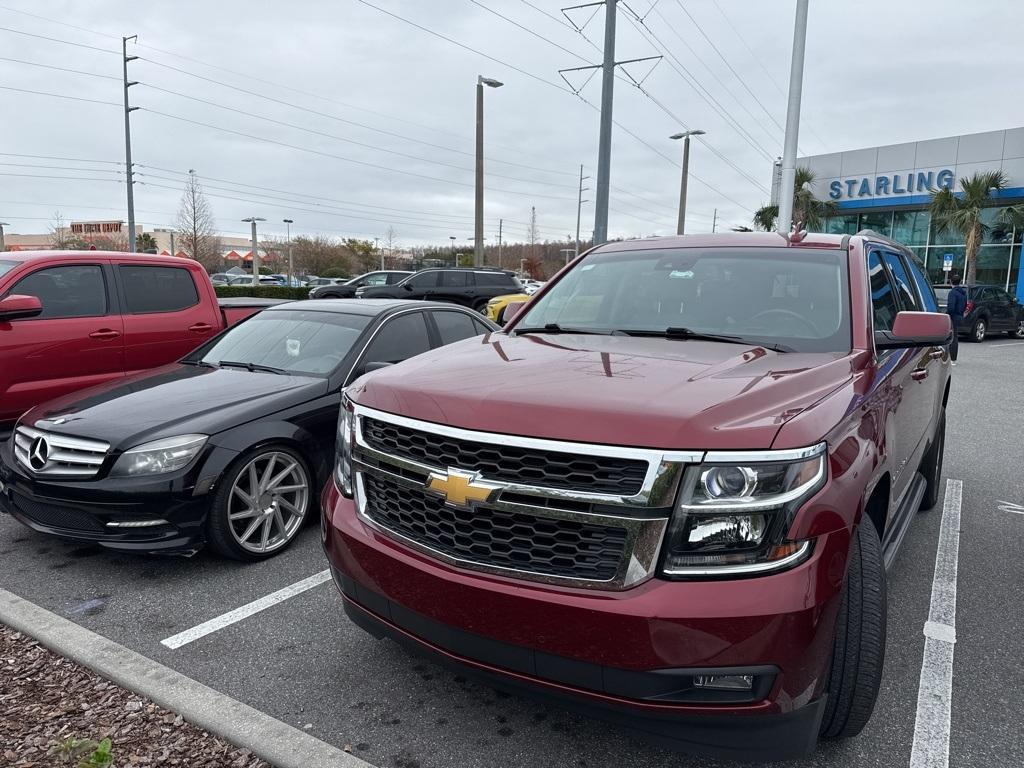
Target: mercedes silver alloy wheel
[(1020, 329), (980, 328), (268, 502)]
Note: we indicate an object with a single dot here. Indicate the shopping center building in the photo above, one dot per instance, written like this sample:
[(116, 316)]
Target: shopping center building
[(887, 189)]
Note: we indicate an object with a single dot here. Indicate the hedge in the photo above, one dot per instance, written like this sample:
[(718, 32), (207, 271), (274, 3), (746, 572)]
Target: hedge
[(261, 292)]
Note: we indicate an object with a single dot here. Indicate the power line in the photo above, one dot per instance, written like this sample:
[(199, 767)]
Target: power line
[(57, 40), (60, 96), (59, 69), (60, 167), (531, 32), (54, 157)]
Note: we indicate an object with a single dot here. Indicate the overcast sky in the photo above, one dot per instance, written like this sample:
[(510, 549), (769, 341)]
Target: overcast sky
[(369, 120)]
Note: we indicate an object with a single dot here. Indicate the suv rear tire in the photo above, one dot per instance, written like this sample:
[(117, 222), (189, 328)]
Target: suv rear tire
[(979, 330), (480, 307), (858, 651), (931, 465), (1018, 333)]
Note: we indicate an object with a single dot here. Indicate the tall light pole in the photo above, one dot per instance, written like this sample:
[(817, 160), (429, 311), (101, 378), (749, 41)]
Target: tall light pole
[(604, 149), (478, 249), (3, 245), (579, 208), (796, 84), (291, 266), (685, 136), (129, 179), (255, 251), (501, 223)]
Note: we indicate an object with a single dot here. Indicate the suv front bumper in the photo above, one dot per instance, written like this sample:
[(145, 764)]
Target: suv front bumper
[(628, 656)]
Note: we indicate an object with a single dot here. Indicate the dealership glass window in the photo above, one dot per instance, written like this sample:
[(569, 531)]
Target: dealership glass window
[(936, 256), (158, 289), (911, 227), (993, 263), (842, 225), (880, 222), (999, 231)]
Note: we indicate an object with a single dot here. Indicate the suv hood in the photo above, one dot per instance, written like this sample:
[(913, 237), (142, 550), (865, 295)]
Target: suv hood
[(173, 400), (612, 390)]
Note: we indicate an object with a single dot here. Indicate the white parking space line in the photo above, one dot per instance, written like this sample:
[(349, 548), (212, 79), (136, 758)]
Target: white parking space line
[(935, 691), (1008, 344), (243, 612)]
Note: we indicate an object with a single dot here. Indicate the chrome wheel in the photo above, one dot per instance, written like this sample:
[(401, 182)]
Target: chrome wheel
[(1019, 333), (268, 502), (980, 328)]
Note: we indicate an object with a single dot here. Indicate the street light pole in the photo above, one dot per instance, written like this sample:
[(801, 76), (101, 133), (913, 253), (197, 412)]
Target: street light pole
[(501, 223), (685, 136), (796, 84), (291, 266), (3, 245), (453, 239), (478, 246), (129, 178), (255, 251)]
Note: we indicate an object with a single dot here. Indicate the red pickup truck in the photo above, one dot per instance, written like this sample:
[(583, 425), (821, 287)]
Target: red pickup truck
[(667, 493), (72, 319)]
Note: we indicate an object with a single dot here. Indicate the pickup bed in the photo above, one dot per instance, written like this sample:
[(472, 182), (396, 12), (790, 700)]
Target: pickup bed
[(73, 319)]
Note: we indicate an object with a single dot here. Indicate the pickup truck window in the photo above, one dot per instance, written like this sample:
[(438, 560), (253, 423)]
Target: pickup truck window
[(7, 266), (157, 289), (72, 291), (797, 299)]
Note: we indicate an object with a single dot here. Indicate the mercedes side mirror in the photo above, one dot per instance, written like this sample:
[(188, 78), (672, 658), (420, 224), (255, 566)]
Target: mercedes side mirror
[(16, 307), (510, 310), (376, 366), (913, 330)]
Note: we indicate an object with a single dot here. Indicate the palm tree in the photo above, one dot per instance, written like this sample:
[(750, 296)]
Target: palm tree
[(144, 242), (961, 212), (807, 209)]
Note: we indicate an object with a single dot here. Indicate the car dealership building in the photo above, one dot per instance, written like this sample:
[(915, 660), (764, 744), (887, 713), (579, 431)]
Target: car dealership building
[(887, 189)]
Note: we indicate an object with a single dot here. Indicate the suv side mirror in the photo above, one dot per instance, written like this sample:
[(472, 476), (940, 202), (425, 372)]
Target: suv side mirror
[(510, 310), (16, 306), (913, 330), (371, 367)]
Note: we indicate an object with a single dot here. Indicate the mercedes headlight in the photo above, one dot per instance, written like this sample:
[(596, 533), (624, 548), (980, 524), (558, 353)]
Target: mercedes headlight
[(343, 454), (159, 456), (735, 510)]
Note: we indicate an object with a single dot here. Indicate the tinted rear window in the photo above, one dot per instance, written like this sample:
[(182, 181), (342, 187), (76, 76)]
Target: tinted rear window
[(496, 279), (157, 289)]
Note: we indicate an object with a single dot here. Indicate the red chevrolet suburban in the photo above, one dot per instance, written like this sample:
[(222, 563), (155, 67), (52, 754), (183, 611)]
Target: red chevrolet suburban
[(668, 492), (72, 319)]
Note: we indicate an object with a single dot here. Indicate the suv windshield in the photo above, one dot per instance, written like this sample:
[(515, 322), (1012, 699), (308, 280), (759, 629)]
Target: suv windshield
[(291, 341), (780, 297)]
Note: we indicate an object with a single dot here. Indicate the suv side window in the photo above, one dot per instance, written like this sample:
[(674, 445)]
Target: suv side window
[(377, 278), (455, 279), (929, 302), (883, 298), (905, 289), (499, 279), (425, 280), (396, 277), (399, 339), (456, 326), (1001, 296), (157, 289), (72, 291)]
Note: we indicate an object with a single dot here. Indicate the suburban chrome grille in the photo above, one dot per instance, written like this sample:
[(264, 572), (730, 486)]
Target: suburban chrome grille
[(531, 466), (598, 526), (495, 537), (50, 454)]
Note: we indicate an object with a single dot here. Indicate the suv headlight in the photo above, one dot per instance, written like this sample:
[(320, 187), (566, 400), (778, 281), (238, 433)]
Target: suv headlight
[(159, 457), (735, 509), (343, 454)]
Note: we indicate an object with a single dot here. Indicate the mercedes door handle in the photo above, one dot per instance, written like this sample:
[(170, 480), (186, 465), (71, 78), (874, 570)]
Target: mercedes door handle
[(200, 327), (919, 375), (104, 334), (936, 354)]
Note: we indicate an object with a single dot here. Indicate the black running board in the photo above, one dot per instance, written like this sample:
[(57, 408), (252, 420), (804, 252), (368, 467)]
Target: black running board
[(897, 529)]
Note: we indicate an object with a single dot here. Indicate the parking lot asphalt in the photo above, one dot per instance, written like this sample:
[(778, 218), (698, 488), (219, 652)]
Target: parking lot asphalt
[(301, 661)]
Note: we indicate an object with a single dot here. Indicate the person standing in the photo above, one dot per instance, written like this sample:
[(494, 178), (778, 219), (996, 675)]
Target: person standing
[(956, 303)]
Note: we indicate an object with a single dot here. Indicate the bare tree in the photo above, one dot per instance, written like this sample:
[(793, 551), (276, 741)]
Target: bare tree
[(318, 255), (61, 237), (196, 230), (531, 231), (390, 246)]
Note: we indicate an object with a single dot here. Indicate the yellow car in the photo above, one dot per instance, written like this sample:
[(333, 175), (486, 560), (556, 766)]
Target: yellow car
[(496, 306)]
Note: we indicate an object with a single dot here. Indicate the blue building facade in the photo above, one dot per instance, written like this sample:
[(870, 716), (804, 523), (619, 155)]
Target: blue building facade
[(887, 189)]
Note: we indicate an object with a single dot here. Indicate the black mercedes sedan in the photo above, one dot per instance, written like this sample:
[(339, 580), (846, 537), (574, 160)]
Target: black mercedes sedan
[(227, 447), (347, 289)]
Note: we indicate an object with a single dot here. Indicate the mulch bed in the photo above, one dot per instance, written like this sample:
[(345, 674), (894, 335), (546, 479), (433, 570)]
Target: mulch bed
[(46, 699)]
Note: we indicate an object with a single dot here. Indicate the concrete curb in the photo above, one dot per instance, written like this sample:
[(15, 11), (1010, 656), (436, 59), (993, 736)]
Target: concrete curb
[(280, 744)]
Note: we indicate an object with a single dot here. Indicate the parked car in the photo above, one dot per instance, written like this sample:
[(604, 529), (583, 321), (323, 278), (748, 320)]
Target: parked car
[(228, 447), (244, 280), (495, 309), (469, 287), (316, 282), (220, 278), (72, 319), (295, 282), (346, 289), (668, 492), (990, 309), (530, 287)]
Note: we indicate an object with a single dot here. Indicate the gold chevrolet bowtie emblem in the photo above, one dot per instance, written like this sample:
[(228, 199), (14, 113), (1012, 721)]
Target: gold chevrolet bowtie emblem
[(460, 488)]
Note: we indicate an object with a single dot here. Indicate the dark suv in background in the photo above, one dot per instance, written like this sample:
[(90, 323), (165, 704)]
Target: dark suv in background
[(469, 287), (347, 290), (990, 309)]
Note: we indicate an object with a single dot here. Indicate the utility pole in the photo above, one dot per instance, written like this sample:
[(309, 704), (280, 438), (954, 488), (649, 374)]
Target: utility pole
[(604, 151), (129, 180), (291, 265), (3, 245), (478, 232), (714, 221), (500, 223), (796, 84), (579, 207), (453, 239), (377, 250), (172, 243), (255, 251)]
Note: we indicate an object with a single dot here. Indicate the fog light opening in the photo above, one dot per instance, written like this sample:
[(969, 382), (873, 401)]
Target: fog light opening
[(724, 682), (135, 523)]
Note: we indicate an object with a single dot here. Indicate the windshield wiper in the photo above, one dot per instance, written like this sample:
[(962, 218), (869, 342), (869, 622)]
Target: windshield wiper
[(556, 328), (251, 367), (676, 332), (199, 363)]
